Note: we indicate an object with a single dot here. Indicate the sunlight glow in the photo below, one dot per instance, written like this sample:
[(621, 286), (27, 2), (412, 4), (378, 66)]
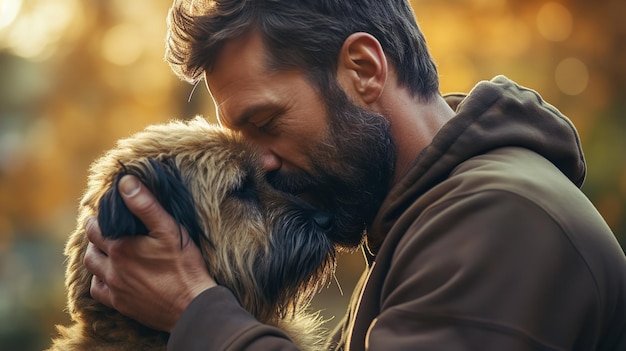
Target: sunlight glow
[(8, 11), (554, 21), (37, 31)]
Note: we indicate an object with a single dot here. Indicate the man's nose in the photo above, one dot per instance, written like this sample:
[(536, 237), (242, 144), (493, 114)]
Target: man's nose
[(269, 161)]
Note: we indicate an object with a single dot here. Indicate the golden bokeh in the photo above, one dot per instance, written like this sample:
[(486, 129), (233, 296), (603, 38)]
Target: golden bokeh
[(554, 21), (571, 76)]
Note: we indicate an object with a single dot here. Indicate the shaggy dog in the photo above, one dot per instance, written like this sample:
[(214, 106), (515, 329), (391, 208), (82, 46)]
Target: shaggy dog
[(271, 249)]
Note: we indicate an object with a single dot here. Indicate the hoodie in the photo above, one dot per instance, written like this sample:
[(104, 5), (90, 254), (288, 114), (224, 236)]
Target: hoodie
[(485, 243)]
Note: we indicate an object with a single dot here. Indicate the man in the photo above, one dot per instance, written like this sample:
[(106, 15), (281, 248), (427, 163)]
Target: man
[(468, 207)]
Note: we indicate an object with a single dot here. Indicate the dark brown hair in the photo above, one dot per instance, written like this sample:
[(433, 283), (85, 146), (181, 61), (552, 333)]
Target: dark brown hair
[(299, 34)]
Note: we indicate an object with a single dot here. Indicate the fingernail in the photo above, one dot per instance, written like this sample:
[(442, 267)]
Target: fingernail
[(129, 186)]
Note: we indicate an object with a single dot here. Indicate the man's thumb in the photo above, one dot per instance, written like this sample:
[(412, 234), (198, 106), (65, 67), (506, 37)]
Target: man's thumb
[(143, 204)]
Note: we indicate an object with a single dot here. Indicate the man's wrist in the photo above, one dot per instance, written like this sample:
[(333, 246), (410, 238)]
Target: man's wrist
[(183, 302), (212, 320)]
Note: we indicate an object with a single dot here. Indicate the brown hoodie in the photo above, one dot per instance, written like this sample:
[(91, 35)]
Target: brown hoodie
[(486, 243)]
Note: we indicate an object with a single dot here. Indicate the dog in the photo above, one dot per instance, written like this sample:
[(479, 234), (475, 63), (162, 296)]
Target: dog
[(270, 248)]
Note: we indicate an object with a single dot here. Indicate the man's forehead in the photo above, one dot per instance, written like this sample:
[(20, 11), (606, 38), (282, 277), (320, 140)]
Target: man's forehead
[(240, 63), (247, 51)]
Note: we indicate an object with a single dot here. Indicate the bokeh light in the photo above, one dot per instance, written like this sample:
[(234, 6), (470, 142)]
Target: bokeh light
[(122, 44), (554, 21), (572, 76), (39, 28)]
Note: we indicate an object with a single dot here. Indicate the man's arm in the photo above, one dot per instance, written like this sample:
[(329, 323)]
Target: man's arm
[(216, 321)]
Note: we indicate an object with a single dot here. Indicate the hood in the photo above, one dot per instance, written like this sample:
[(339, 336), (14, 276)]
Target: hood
[(498, 113)]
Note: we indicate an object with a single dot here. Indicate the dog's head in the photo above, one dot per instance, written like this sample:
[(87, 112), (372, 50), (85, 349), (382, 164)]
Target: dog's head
[(270, 248)]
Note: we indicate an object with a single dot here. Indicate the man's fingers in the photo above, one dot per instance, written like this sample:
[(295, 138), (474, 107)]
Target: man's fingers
[(94, 260), (100, 291), (141, 202), (95, 263), (92, 230)]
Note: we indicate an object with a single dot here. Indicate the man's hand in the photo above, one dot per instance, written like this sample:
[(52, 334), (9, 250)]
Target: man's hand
[(147, 278)]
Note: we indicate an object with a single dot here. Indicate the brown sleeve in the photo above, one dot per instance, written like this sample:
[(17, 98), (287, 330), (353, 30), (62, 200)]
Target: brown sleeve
[(215, 321)]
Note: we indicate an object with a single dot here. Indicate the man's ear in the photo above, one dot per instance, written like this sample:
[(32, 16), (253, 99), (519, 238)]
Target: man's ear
[(362, 67)]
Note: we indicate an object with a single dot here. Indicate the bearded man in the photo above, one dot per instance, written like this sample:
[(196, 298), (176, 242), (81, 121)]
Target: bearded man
[(468, 207)]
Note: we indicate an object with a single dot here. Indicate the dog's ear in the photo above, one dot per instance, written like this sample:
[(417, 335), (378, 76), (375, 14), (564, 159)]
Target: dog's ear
[(114, 218), (164, 180)]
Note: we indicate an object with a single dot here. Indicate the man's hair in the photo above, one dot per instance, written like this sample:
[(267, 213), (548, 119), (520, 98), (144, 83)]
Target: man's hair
[(299, 34)]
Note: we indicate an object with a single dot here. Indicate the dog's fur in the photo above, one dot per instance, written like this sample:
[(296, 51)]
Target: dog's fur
[(271, 249)]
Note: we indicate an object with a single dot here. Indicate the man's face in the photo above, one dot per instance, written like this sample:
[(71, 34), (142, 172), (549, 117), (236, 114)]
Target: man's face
[(336, 155)]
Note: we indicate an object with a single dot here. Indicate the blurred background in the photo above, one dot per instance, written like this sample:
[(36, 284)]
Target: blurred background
[(76, 75)]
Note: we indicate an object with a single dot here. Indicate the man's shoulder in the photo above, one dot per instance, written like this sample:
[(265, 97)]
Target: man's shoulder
[(515, 170)]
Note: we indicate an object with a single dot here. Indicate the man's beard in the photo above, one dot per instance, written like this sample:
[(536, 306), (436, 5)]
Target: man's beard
[(351, 168)]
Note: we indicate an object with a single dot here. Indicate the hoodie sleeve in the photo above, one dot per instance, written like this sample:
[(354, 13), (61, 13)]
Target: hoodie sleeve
[(215, 321)]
